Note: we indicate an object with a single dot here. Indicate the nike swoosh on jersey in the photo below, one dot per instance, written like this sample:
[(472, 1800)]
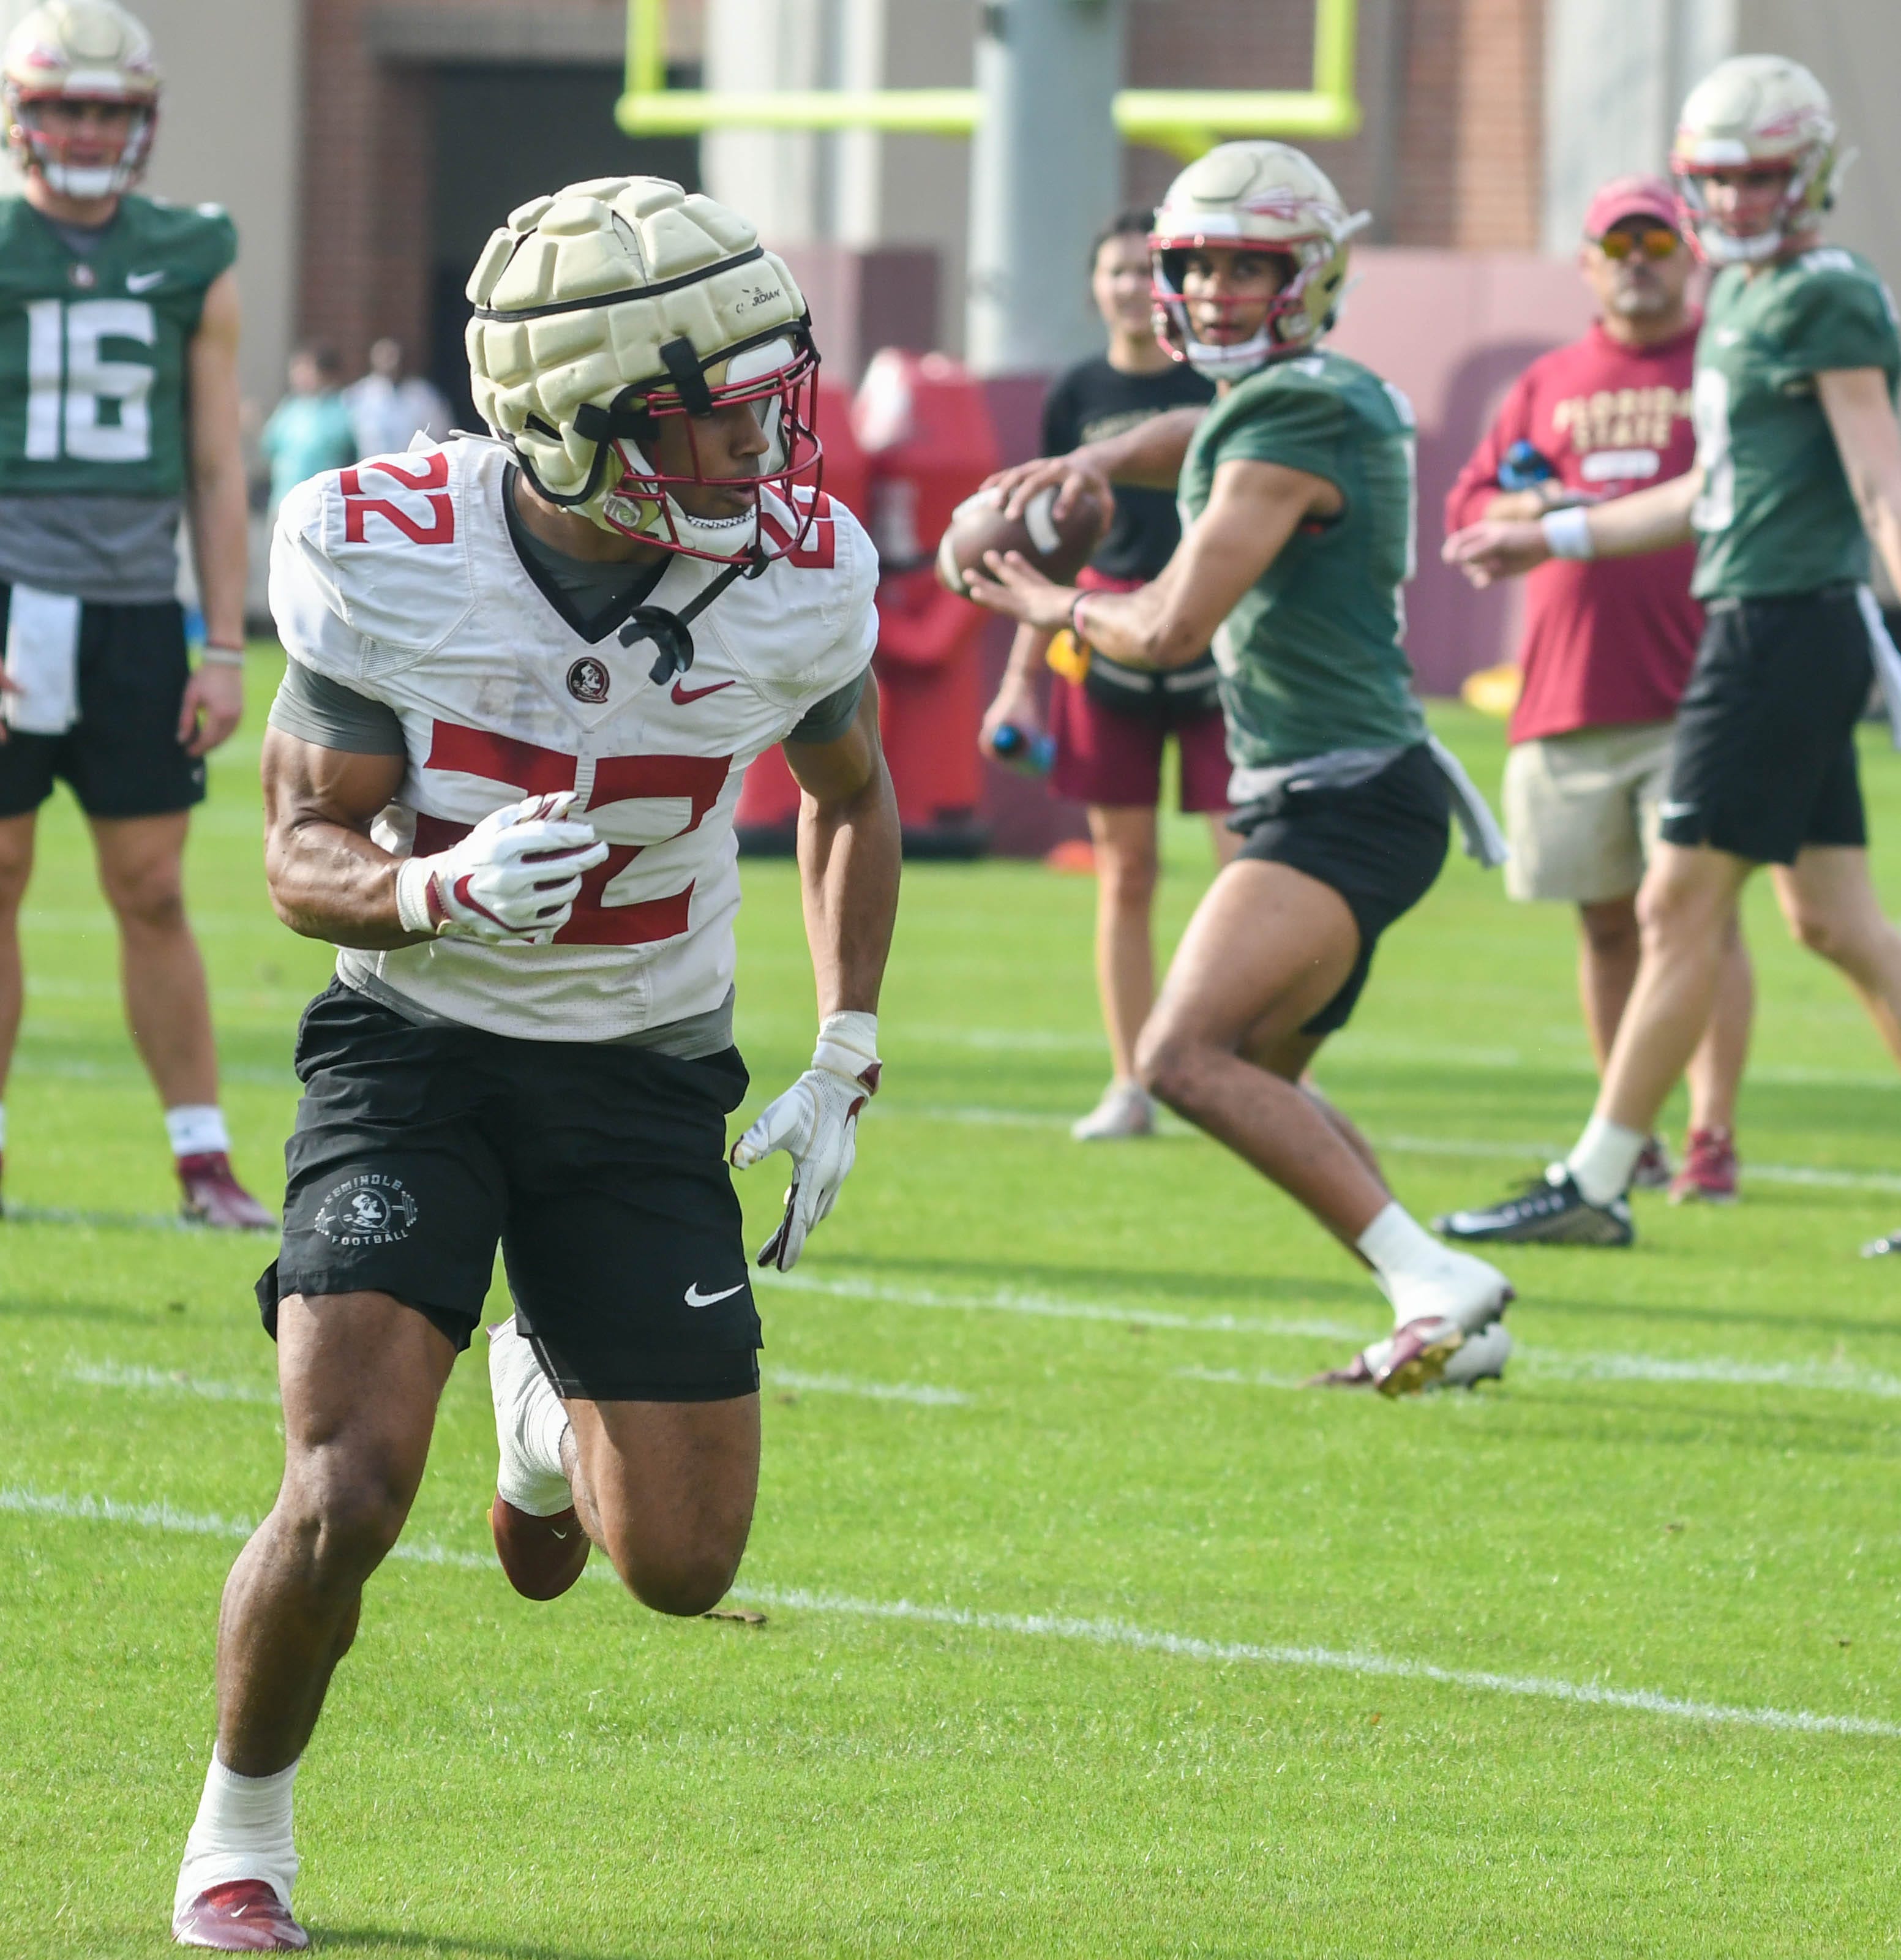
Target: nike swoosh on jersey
[(684, 696), (143, 282), (694, 1297)]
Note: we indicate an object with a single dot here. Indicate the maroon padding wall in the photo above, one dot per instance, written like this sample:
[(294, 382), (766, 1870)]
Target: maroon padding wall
[(1453, 329)]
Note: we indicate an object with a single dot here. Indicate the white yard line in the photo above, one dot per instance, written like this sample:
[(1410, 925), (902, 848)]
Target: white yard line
[(159, 1381), (1044, 1306), (1099, 1633), (1400, 1146), (1826, 1376), (925, 1397)]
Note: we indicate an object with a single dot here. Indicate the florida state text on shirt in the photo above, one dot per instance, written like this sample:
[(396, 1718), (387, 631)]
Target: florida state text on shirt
[(398, 578)]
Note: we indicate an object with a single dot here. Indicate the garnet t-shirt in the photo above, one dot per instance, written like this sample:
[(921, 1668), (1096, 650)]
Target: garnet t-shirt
[(1608, 642)]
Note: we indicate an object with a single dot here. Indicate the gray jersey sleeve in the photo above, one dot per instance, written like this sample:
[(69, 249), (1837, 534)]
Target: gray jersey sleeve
[(825, 721), (324, 712)]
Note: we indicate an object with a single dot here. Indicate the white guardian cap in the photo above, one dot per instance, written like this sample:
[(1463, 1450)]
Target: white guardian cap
[(616, 304), (1262, 197)]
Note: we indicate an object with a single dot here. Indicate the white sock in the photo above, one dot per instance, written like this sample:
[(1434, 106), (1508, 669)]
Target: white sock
[(242, 1830), (1425, 1280), (544, 1423), (1605, 1156), (197, 1130), (1398, 1247)]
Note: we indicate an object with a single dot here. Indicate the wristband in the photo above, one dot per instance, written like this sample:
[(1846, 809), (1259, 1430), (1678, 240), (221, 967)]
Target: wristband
[(414, 911), (213, 655), (1076, 630), (1567, 533), (848, 1046)]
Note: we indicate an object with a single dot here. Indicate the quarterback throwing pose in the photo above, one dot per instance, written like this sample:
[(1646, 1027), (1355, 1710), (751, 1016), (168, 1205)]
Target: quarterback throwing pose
[(526, 679), (118, 403), (1297, 492), (1799, 460)]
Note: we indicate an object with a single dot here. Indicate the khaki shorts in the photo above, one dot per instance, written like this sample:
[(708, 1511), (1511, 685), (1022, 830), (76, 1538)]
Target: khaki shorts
[(1581, 812)]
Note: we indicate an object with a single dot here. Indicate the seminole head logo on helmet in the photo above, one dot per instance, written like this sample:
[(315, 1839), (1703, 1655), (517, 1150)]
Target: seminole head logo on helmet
[(1258, 198), (1763, 117), (612, 317), (65, 54)]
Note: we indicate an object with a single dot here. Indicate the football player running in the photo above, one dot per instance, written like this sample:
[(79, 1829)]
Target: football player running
[(1798, 463), (1297, 492), (525, 678), (119, 407)]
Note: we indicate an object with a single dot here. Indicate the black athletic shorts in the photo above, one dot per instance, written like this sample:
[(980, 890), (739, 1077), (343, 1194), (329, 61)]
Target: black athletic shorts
[(123, 756), (601, 1168), (1763, 760), (1380, 844)]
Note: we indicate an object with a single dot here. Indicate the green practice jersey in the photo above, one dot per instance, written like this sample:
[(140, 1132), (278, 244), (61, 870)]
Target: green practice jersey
[(93, 347), (1312, 659), (1776, 514)]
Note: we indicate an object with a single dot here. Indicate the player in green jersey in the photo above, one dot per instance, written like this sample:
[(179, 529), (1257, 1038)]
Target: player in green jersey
[(118, 412), (1798, 463), (1298, 492)]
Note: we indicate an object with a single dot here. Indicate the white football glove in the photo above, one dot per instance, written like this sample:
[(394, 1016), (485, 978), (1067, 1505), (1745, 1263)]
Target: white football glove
[(815, 1121), (512, 881)]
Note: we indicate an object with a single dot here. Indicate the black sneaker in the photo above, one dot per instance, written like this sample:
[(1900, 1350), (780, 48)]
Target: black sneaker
[(1551, 1210)]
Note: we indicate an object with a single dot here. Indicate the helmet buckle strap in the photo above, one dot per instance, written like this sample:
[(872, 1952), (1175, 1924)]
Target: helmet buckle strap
[(689, 378)]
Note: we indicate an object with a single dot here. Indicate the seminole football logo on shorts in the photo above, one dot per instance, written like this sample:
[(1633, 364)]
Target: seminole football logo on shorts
[(367, 1210)]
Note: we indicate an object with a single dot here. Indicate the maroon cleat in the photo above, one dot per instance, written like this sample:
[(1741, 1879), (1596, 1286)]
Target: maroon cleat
[(213, 1196), (1358, 1373), (241, 1916), (542, 1556), (1651, 1171), (1710, 1173), (1416, 1358)]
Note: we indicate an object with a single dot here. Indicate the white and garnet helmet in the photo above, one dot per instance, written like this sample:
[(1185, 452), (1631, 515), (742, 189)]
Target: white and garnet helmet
[(79, 51), (604, 310), (1761, 112), (1262, 197)]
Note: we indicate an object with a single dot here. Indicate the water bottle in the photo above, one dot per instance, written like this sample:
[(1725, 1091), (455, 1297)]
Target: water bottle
[(1029, 756), (1522, 466)]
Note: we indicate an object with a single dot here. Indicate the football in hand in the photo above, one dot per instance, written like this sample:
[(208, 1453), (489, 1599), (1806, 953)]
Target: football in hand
[(1058, 547)]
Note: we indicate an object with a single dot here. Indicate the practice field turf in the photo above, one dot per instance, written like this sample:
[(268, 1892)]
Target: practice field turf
[(1087, 1632)]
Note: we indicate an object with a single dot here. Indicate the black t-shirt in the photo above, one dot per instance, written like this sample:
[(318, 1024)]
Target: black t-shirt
[(1092, 400)]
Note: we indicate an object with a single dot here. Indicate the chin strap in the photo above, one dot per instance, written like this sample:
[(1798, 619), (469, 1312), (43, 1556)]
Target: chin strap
[(669, 631)]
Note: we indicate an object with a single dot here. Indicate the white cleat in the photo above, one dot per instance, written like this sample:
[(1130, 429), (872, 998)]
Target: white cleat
[(1125, 1110), (1481, 1357), (517, 1384), (1461, 1288)]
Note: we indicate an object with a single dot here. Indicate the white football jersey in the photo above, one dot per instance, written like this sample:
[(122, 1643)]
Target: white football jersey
[(398, 577)]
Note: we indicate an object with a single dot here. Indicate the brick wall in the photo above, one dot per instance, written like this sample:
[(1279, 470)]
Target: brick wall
[(365, 258), (1470, 123), (1450, 154)]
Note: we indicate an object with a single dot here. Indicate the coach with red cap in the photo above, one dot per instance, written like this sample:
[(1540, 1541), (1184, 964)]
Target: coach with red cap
[(1608, 642)]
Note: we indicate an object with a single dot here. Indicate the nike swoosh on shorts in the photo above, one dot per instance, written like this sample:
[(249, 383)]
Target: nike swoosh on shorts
[(693, 1297)]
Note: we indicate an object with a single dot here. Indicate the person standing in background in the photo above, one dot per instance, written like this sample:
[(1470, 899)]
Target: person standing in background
[(1608, 644), (310, 429), (389, 409), (1110, 722), (119, 411)]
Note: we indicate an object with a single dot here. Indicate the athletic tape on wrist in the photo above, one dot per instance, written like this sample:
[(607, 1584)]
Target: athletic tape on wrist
[(1567, 533), (413, 895), (220, 656), (848, 1046)]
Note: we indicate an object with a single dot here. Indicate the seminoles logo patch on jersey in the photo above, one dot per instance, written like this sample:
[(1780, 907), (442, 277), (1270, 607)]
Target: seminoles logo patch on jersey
[(587, 680), (367, 1210)]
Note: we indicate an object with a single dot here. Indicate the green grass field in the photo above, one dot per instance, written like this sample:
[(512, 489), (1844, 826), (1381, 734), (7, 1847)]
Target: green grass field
[(1086, 1634)]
